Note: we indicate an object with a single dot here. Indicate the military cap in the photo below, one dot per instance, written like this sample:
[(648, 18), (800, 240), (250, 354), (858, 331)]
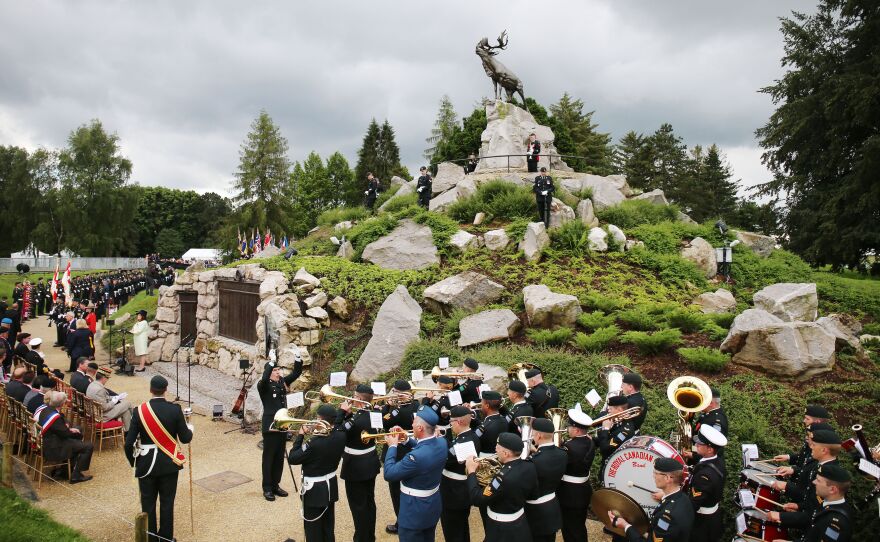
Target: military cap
[(517, 386), (817, 411), (667, 465), (427, 414), (402, 385), (824, 436), (471, 363), (617, 400), (158, 383), (833, 472), (327, 411), (491, 395), (36, 341), (531, 373), (364, 388), (104, 371), (543, 425), (632, 378), (460, 410), (6, 321), (711, 436), (511, 441), (445, 380), (578, 418), (820, 426)]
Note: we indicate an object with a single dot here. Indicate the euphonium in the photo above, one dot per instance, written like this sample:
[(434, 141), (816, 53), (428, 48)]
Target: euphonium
[(326, 395), (613, 374), (487, 467), (517, 371), (689, 395), (525, 429), (559, 417), (284, 421)]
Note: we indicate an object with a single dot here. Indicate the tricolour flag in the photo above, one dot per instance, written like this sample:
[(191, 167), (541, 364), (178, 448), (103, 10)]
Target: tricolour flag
[(54, 287)]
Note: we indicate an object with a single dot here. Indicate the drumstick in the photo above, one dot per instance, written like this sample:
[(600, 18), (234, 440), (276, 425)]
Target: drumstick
[(747, 537), (768, 500), (630, 483), (765, 475), (764, 461)]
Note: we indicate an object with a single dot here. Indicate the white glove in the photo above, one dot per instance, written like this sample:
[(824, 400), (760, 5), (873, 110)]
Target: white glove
[(191, 428), (419, 189)]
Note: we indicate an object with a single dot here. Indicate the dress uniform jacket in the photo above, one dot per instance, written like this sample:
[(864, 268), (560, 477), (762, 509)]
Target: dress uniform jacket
[(671, 521), (638, 400), (151, 461), (505, 497), (542, 397), (319, 458), (423, 189), (274, 394), (419, 474), (705, 490), (609, 440), (542, 508), (488, 431), (574, 490), (520, 409), (831, 523), (80, 343), (470, 390), (453, 486), (438, 405), (399, 416), (808, 504), (360, 461)]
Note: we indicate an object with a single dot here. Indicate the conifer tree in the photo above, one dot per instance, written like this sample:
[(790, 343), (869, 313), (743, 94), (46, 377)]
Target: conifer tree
[(568, 116), (444, 127)]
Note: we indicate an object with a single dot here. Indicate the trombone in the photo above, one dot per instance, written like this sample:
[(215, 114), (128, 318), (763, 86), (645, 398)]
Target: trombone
[(436, 373), (327, 395), (284, 421), (628, 414)]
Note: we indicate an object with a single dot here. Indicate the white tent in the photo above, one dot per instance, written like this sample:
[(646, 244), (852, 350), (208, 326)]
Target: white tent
[(202, 254), (30, 252)]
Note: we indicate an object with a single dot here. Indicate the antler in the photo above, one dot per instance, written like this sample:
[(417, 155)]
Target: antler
[(502, 40)]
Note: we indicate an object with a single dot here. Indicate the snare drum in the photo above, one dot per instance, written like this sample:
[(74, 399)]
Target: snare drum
[(759, 483), (634, 462), (758, 526)]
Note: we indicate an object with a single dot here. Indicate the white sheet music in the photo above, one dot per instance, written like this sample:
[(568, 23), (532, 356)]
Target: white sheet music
[(464, 450), (338, 379), (746, 498), (593, 397), (869, 468), (741, 522), (378, 388), (417, 375), (376, 420), (444, 363), (295, 400), (454, 398)]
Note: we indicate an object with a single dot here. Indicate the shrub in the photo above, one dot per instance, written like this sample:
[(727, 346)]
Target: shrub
[(753, 272), (604, 303), (595, 320), (398, 204), (638, 318), (547, 336), (714, 331), (632, 213), (366, 232), (708, 360), (583, 193), (598, 340), (331, 217), (498, 199), (516, 230), (871, 328), (571, 239), (386, 195), (652, 343), (450, 326), (684, 319), (442, 227), (666, 237), (671, 268), (722, 319)]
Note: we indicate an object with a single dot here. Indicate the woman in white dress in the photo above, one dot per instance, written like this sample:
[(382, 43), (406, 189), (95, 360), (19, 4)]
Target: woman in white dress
[(139, 331)]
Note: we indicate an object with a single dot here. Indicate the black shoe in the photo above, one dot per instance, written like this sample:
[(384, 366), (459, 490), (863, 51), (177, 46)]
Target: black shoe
[(140, 370), (391, 528), (79, 478), (270, 496), (280, 492)]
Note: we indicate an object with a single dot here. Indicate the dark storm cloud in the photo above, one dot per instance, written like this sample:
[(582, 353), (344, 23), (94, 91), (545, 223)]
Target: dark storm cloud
[(180, 82)]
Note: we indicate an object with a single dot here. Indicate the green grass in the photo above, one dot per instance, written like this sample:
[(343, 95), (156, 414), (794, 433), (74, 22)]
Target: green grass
[(8, 280), (632, 213), (842, 293), (598, 340), (499, 200), (331, 217), (23, 523), (139, 302), (545, 337), (704, 359)]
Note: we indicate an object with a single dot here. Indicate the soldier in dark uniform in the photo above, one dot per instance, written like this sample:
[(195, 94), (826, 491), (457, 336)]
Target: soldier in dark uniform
[(40, 297), (613, 433), (273, 389), (493, 423), (372, 191), (470, 388), (157, 464), (533, 149), (453, 487), (541, 395), (319, 459), (440, 405), (542, 508), (715, 416), (505, 496), (360, 465), (423, 187), (400, 415), (471, 164), (833, 520), (632, 390), (706, 485), (574, 491), (516, 393), (673, 519), (812, 414), (543, 189)]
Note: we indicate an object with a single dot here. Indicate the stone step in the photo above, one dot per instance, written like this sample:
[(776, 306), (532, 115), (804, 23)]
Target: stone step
[(209, 386)]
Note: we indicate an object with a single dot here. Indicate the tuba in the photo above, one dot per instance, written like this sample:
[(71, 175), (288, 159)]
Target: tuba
[(558, 416), (487, 467), (689, 395), (613, 374), (284, 421), (517, 371)]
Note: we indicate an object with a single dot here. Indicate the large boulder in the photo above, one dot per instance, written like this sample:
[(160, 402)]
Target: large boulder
[(787, 349), (404, 190), (462, 241), (397, 325), (448, 176), (304, 277), (656, 196), (607, 191), (845, 329), (339, 306), (467, 290), (409, 246), (346, 250), (507, 131), (718, 301), (702, 254), (268, 252), (442, 202), (496, 239), (618, 235), (598, 239), (586, 214), (534, 241), (560, 213), (545, 308), (762, 245), (744, 323), (792, 302), (487, 326)]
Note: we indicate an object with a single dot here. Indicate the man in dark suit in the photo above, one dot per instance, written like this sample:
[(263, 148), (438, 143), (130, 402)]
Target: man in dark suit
[(16, 388), (79, 379), (541, 396), (454, 519), (157, 463), (543, 189), (62, 442), (372, 191), (542, 508), (575, 491), (319, 459), (516, 392), (273, 390), (360, 463), (533, 149), (45, 384)]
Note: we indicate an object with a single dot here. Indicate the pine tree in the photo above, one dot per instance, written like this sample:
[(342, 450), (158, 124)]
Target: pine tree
[(716, 188), (368, 162), (313, 193), (389, 157), (632, 158), (668, 163), (341, 179), (444, 126), (585, 141), (464, 140)]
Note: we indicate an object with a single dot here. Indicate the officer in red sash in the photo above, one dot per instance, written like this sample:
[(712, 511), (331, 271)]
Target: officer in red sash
[(151, 446)]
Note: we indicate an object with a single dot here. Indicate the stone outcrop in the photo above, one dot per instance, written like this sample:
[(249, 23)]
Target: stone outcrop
[(468, 290), (304, 277), (618, 235), (496, 240), (789, 301), (560, 213), (762, 245), (657, 197), (462, 241), (479, 218), (845, 329), (345, 250), (598, 239), (545, 308), (487, 326), (718, 301), (404, 190), (409, 246), (607, 191), (339, 307), (702, 254), (534, 241), (586, 214), (396, 325), (448, 176), (507, 131)]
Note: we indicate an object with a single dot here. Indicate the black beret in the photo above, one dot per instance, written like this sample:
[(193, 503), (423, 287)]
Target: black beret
[(511, 441), (402, 385), (517, 386), (491, 395), (821, 426), (92, 365), (716, 393), (825, 436), (533, 373), (817, 411), (471, 363), (543, 425), (158, 383), (327, 411), (667, 464), (445, 380), (460, 410), (632, 378), (364, 388), (617, 400), (833, 472)]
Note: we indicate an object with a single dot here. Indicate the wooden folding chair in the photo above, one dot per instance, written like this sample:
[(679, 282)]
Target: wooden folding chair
[(4, 410), (102, 430), (40, 461)]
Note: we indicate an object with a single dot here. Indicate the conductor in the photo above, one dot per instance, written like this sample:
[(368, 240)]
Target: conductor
[(273, 390)]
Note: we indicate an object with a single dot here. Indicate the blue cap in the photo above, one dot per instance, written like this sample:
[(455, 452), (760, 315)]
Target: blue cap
[(427, 414), (6, 321)]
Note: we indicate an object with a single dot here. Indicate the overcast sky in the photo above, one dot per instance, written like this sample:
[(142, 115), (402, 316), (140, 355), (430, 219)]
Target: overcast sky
[(181, 82)]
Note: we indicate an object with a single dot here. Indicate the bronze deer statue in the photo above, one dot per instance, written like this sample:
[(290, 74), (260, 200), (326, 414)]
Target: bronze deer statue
[(498, 72)]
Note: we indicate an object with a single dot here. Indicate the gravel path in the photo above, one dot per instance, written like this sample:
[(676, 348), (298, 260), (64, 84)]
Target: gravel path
[(104, 507)]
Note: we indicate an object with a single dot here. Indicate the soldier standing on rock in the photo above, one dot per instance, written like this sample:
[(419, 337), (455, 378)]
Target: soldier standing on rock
[(533, 149), (371, 192), (424, 186), (543, 189)]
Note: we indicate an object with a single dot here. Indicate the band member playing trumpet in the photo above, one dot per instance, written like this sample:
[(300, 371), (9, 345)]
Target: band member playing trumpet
[(319, 459), (613, 432), (516, 393), (707, 485), (453, 487), (419, 474), (505, 495), (470, 388), (542, 508), (540, 395), (273, 389), (574, 490), (440, 405), (632, 389), (397, 414), (673, 519), (360, 465)]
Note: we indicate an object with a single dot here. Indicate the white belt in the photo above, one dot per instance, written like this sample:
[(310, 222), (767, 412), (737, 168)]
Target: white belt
[(355, 451), (454, 475), (505, 518), (707, 510), (418, 492), (543, 498), (316, 479), (575, 479), (144, 449)]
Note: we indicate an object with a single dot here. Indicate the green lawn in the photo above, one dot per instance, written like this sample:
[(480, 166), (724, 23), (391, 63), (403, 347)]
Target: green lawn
[(8, 280), (22, 522), (849, 292)]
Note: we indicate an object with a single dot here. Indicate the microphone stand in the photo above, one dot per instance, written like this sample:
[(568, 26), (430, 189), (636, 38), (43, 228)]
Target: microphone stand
[(183, 343)]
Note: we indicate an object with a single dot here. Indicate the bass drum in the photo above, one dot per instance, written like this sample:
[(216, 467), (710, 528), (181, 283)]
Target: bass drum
[(634, 462)]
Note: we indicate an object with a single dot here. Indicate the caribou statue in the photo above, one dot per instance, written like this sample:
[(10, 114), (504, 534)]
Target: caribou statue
[(498, 72)]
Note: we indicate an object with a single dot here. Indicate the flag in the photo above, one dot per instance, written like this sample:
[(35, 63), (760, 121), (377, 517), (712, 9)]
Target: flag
[(65, 282), (268, 239), (257, 241), (54, 287), (284, 242)]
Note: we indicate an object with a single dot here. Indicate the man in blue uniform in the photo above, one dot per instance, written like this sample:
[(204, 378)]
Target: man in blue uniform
[(419, 474)]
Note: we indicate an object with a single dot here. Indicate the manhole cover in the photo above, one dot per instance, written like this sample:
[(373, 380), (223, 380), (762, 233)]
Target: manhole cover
[(222, 481)]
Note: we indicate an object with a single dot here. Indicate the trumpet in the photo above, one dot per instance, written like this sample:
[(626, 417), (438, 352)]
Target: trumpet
[(627, 414), (284, 421), (436, 373), (366, 436), (327, 395)]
